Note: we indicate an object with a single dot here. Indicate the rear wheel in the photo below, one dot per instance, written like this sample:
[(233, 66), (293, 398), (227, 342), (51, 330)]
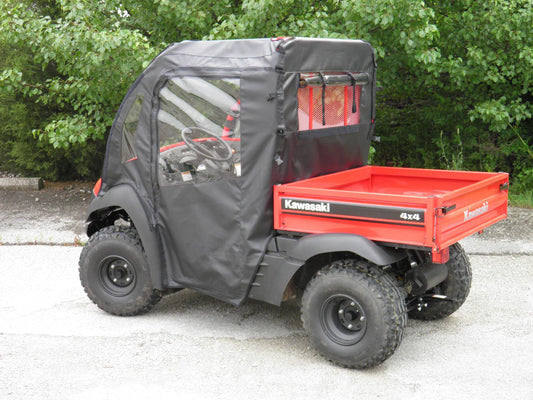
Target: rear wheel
[(354, 314), (114, 272), (456, 288)]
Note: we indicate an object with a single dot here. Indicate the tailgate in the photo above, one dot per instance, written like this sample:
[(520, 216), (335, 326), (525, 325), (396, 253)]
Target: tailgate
[(470, 209)]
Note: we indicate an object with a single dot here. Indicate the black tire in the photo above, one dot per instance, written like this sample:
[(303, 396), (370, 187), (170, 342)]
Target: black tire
[(114, 272), (456, 287), (354, 314)]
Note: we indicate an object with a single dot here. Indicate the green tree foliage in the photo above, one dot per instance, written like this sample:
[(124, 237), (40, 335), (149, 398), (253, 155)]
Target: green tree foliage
[(20, 116), (486, 77), (167, 21), (95, 59), (457, 75)]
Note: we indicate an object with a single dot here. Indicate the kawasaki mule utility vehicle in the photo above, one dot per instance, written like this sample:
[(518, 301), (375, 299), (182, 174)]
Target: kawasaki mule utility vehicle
[(238, 169)]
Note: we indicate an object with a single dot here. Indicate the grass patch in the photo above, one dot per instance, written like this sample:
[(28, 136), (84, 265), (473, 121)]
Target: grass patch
[(524, 199)]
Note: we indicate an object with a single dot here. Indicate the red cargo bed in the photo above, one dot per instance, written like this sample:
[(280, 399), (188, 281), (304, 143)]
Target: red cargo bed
[(404, 206)]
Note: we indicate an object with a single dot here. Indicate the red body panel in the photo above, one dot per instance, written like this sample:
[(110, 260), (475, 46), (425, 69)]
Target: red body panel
[(417, 207)]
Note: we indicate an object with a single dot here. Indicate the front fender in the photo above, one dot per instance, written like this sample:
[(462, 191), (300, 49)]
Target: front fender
[(123, 196)]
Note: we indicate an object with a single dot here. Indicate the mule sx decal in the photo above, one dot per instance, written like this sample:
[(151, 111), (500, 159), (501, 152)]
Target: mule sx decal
[(303, 206)]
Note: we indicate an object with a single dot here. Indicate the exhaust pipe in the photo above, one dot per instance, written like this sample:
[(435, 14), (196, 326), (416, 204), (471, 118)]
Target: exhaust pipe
[(420, 279)]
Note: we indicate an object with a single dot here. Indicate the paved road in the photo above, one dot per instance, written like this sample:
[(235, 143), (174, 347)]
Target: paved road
[(55, 344)]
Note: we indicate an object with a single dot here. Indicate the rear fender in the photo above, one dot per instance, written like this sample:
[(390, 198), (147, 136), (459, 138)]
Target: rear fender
[(312, 245), (124, 197), (285, 256)]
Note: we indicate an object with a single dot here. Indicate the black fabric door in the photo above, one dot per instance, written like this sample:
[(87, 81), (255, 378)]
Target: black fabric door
[(199, 175)]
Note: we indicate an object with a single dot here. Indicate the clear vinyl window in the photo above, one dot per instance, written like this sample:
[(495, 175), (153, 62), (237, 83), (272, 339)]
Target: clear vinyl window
[(198, 125), (129, 129), (329, 99)]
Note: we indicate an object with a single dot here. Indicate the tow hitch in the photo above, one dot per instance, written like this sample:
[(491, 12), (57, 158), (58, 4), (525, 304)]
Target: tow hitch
[(421, 302)]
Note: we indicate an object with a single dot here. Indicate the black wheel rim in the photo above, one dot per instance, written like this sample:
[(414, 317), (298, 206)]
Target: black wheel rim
[(117, 275), (343, 320)]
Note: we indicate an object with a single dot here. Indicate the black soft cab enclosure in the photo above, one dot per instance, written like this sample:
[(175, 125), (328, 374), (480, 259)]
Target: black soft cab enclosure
[(198, 145), (208, 129)]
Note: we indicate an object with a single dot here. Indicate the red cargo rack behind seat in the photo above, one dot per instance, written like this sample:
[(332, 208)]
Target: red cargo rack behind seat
[(411, 207)]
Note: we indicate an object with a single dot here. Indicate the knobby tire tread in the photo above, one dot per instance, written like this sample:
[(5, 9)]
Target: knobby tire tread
[(129, 236), (394, 308)]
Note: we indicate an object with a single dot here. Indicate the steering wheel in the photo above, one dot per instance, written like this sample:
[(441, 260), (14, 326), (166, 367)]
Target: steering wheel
[(201, 148)]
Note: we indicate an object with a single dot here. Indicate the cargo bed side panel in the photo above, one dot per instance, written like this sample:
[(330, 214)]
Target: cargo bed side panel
[(379, 217)]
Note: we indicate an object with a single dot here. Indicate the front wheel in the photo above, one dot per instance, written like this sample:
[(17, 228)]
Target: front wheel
[(354, 314), (114, 272)]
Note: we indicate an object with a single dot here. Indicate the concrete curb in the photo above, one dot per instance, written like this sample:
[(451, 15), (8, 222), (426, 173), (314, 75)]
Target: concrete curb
[(21, 183)]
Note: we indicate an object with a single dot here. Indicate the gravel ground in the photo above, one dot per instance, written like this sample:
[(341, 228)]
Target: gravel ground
[(54, 215), (55, 344)]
